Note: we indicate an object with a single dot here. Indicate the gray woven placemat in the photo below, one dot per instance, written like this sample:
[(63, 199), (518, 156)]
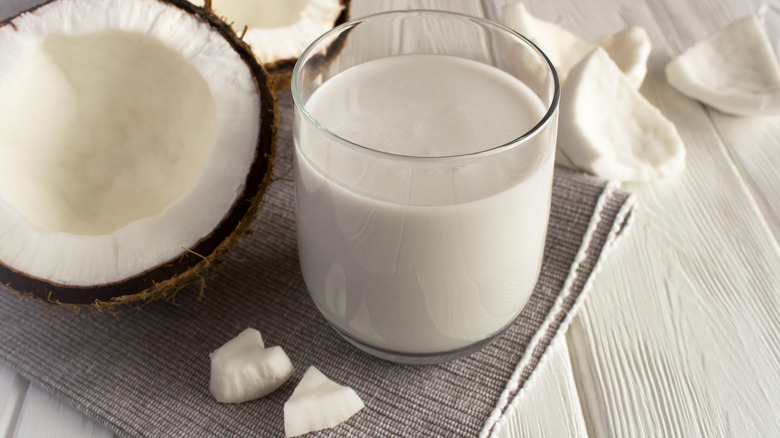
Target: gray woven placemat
[(146, 373)]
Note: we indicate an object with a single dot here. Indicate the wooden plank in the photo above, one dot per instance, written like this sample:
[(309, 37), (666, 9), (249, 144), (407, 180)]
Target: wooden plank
[(679, 336), (548, 406), (13, 389), (751, 142), (44, 415)]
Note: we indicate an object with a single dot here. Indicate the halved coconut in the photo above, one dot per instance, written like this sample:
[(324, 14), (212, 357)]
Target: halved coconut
[(280, 30), (136, 141)]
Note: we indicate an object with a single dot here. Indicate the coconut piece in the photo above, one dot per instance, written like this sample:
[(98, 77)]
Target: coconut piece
[(629, 48), (247, 340), (734, 70), (136, 142), (242, 369), (318, 403), (607, 127), (279, 31)]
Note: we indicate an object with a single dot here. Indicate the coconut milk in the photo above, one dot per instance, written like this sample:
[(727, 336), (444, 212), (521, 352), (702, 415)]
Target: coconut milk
[(421, 255)]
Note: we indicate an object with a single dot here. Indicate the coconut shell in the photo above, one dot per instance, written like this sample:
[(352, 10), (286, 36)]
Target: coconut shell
[(281, 70), (194, 264)]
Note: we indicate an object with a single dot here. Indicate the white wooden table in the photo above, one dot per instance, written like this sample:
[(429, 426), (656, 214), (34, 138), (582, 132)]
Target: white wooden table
[(680, 335)]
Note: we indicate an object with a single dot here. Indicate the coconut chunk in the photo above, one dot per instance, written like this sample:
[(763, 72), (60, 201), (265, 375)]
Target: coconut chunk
[(247, 340), (318, 403), (629, 48), (242, 369), (608, 128), (735, 70)]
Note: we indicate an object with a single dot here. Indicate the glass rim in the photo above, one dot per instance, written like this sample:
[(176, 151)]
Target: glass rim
[(516, 142)]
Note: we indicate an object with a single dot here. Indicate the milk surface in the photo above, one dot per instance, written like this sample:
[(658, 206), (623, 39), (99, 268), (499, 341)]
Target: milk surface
[(421, 255)]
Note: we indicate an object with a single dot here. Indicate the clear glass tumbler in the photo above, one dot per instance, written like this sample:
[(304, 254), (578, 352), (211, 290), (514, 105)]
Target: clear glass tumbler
[(424, 151)]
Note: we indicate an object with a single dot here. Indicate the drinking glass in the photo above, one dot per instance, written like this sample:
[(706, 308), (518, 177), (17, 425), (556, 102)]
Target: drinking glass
[(427, 254)]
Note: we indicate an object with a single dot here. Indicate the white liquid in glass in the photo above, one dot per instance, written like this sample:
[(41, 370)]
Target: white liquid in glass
[(424, 258)]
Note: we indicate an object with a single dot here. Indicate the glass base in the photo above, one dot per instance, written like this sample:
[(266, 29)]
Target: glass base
[(417, 358)]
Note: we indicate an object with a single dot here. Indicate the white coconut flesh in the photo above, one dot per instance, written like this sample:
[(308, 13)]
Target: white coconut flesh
[(243, 369), (127, 130), (629, 48), (261, 14), (734, 70), (630, 141), (100, 130), (278, 30), (318, 403)]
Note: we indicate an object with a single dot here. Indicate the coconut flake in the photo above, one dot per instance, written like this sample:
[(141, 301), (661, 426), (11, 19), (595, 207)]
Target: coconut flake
[(242, 369), (608, 128), (247, 340), (734, 70), (629, 48), (318, 403)]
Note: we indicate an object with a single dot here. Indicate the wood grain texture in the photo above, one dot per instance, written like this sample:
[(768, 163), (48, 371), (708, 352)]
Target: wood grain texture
[(548, 405), (13, 389), (679, 337), (44, 415), (752, 145)]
